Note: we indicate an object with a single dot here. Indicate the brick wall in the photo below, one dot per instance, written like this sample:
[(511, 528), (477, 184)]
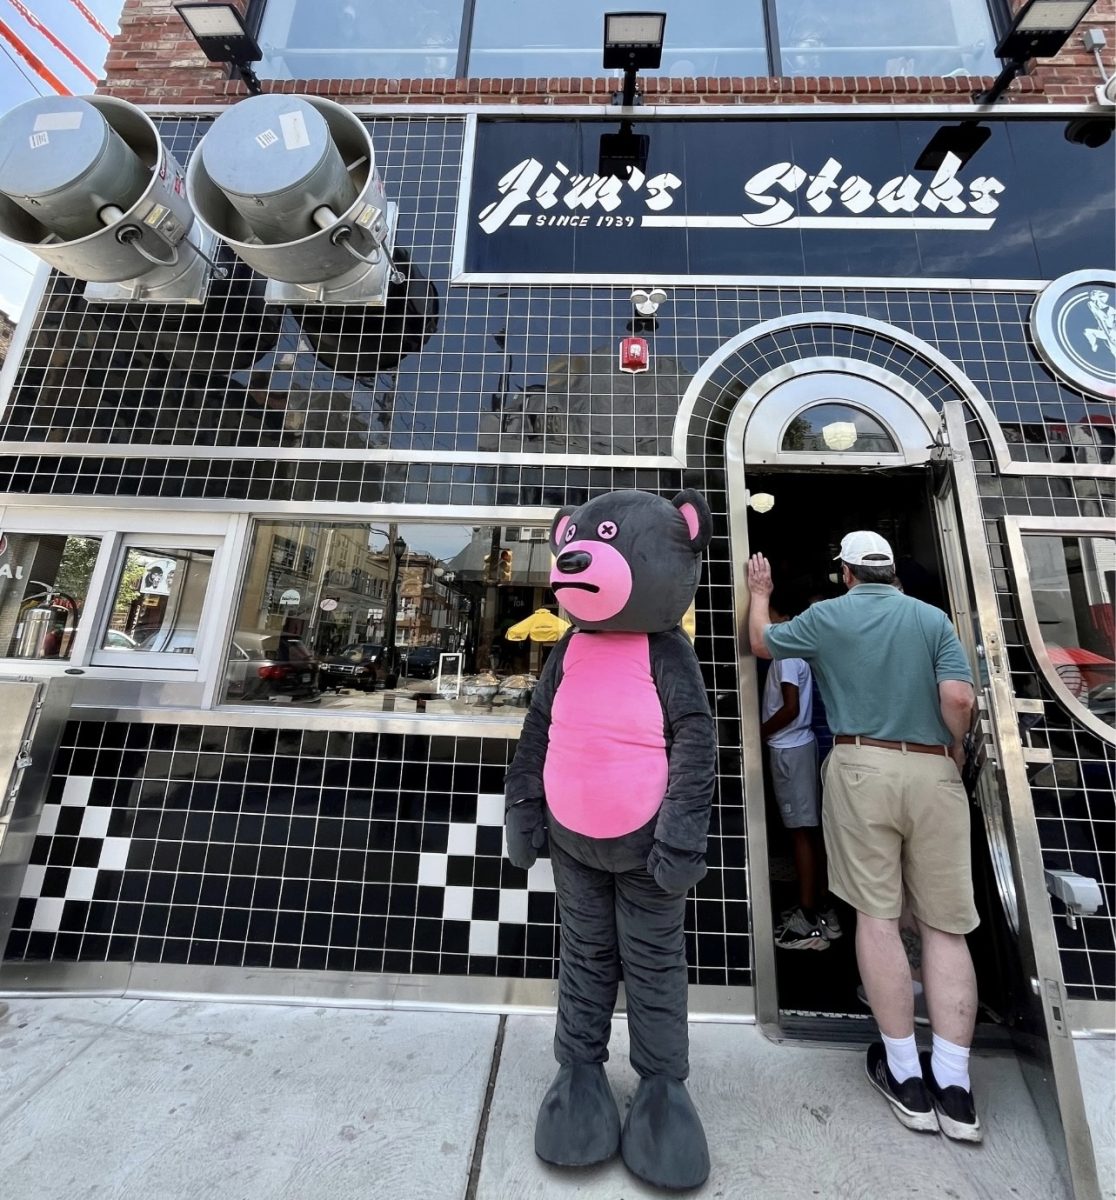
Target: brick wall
[(155, 60)]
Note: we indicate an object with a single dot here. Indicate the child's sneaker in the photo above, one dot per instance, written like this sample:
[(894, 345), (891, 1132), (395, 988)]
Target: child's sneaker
[(830, 922), (800, 933)]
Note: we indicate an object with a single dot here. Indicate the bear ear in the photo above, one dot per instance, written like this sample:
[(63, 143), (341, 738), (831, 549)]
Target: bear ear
[(699, 520), (558, 527)]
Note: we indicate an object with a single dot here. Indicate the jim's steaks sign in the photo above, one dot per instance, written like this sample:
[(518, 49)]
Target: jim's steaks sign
[(782, 197)]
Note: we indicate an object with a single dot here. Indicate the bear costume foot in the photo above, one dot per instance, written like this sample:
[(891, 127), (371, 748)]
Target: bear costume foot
[(578, 1122), (663, 1140)]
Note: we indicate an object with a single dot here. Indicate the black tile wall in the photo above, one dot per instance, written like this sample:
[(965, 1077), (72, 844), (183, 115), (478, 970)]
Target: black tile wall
[(307, 850)]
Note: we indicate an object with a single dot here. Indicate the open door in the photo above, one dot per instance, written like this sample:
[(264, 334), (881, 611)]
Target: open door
[(1036, 1016)]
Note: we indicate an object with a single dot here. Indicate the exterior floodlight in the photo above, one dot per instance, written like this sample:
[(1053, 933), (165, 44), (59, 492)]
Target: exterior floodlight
[(1041, 28), (220, 32), (632, 41)]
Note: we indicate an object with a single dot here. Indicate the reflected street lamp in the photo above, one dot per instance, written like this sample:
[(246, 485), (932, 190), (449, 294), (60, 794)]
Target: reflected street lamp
[(391, 666)]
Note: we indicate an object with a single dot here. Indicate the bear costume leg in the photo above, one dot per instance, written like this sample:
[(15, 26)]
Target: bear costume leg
[(663, 1140), (578, 1122)]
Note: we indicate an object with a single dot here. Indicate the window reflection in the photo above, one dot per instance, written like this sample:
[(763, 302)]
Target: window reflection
[(398, 617), (44, 579), (826, 428), (886, 37), (525, 38), (1073, 581), (322, 39), (158, 601)]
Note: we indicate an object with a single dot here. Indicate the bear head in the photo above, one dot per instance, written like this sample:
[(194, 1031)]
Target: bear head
[(629, 561)]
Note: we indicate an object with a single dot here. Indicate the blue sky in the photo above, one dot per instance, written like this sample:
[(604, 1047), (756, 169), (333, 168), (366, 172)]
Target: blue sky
[(18, 82)]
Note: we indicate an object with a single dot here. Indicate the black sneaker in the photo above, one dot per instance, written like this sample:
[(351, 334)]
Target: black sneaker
[(909, 1100), (955, 1108)]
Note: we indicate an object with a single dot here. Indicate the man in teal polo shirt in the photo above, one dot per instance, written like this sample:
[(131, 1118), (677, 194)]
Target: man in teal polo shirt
[(899, 697)]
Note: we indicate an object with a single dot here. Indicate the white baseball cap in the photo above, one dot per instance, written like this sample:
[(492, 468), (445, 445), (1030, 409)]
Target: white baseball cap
[(864, 548)]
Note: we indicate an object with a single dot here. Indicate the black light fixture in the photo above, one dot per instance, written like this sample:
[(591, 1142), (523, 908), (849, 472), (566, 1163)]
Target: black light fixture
[(1040, 29), (220, 32), (632, 41)]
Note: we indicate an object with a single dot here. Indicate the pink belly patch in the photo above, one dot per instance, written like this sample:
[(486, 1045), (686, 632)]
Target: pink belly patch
[(606, 764)]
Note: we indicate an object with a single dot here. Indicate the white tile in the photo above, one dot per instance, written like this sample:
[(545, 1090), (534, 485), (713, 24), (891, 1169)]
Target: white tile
[(484, 937), (462, 838), (540, 878), (490, 808), (48, 914), (95, 821), (513, 906), (48, 822), (81, 883), (32, 882), (114, 854), (76, 790), (432, 870), (458, 904)]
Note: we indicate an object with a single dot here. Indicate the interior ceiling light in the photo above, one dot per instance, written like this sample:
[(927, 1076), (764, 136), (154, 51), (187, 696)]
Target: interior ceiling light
[(839, 435), (761, 502)]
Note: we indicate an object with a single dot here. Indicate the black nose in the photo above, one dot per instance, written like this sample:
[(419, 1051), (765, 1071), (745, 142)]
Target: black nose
[(573, 562)]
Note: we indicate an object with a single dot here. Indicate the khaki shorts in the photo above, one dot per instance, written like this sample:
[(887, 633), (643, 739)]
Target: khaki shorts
[(893, 821)]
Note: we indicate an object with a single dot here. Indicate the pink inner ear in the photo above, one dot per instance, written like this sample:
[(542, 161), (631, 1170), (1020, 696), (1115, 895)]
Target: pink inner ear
[(693, 521), (561, 529)]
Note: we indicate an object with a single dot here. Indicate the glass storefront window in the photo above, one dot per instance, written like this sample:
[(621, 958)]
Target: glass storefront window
[(524, 38), (825, 428), (158, 599), (359, 39), (399, 617), (886, 37), (44, 579), (1073, 582)]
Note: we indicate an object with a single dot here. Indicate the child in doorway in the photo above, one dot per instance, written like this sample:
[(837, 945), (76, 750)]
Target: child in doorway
[(793, 753)]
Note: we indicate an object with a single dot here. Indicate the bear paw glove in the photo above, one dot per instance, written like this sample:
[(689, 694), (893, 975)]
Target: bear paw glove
[(675, 871), (525, 825)]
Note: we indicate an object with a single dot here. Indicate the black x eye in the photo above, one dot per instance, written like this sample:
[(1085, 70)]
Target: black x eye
[(569, 536), (607, 530)]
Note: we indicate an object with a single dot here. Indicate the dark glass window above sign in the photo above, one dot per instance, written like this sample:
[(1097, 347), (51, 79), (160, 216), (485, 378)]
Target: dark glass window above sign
[(359, 39), (886, 37), (315, 39), (784, 197), (522, 38)]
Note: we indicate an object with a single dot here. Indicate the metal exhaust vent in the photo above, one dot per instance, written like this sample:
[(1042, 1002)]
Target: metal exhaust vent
[(290, 184), (88, 186)]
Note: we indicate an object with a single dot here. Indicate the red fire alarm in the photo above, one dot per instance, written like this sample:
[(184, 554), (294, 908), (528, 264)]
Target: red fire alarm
[(633, 354)]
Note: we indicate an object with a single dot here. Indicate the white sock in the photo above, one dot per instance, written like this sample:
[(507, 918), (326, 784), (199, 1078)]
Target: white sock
[(950, 1064), (902, 1057)]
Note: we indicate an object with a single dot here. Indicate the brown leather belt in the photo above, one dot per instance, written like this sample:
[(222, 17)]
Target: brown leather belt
[(848, 739)]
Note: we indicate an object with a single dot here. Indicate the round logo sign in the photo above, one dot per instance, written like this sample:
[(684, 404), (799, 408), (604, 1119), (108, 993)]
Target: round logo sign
[(1073, 324), (328, 604)]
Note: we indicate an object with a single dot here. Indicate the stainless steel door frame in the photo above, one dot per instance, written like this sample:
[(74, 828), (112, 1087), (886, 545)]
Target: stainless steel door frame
[(1040, 1029), (32, 714)]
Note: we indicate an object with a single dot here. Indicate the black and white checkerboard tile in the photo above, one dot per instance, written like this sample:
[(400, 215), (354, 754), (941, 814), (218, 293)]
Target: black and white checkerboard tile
[(72, 824), (465, 838)]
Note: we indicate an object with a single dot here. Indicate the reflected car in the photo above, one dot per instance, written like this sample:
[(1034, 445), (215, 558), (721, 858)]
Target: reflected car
[(262, 666), (357, 666), (421, 662)]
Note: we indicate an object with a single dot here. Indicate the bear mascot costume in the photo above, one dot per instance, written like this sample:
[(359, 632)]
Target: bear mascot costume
[(615, 768)]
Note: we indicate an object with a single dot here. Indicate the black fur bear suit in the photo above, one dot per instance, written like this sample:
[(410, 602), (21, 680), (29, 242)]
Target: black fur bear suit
[(616, 762)]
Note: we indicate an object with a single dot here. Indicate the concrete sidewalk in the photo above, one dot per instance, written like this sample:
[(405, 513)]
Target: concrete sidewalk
[(166, 1099)]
